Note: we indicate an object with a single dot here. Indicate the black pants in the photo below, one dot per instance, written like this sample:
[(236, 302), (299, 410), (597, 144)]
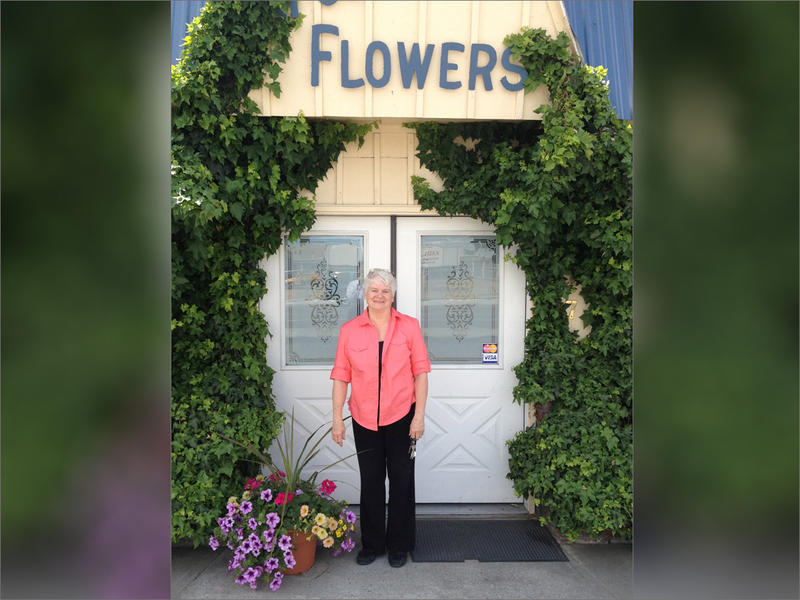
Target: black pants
[(381, 452)]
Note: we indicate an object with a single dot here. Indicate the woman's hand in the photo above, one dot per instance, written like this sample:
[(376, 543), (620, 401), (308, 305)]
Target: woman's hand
[(420, 396), (417, 427), (337, 431)]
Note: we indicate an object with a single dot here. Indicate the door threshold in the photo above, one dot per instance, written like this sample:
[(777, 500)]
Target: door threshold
[(455, 510), (458, 510)]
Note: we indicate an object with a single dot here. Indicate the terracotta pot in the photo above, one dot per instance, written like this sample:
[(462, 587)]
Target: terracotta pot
[(305, 551)]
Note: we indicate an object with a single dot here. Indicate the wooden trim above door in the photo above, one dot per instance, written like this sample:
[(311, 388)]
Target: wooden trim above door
[(369, 210)]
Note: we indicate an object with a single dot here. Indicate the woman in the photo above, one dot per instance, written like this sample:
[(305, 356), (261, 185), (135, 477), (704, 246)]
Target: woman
[(383, 357)]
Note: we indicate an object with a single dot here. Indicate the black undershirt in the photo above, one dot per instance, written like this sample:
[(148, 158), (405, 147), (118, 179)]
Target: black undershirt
[(380, 368)]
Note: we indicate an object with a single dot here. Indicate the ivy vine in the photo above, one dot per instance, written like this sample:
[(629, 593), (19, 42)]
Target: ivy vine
[(559, 190), (236, 183)]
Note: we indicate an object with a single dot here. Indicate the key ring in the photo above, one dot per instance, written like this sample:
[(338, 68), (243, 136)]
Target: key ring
[(412, 448)]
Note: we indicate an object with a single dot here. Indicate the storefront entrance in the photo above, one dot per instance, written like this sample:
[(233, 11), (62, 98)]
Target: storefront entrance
[(471, 306)]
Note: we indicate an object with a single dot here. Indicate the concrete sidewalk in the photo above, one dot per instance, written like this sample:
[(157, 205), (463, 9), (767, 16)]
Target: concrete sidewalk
[(592, 571)]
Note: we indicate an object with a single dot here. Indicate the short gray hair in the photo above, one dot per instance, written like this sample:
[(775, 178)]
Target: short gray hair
[(383, 275)]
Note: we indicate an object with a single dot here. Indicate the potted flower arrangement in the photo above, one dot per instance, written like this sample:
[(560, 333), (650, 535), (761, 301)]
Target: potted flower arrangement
[(276, 524)]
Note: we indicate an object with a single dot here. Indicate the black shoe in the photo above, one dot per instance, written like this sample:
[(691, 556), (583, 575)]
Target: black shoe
[(397, 559), (365, 557)]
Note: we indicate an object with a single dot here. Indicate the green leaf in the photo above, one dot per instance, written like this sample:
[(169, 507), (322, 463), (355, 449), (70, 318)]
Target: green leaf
[(236, 209)]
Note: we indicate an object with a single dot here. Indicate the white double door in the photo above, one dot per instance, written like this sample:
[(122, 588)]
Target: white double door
[(471, 306)]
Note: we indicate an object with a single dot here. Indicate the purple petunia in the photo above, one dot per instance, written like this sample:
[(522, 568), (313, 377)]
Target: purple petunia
[(285, 542), (225, 523), (240, 533), (290, 561), (272, 520), (271, 564), (351, 516), (275, 584), (348, 545), (246, 507), (250, 576), (266, 495), (231, 509), (269, 535), (252, 523), (246, 547), (212, 541)]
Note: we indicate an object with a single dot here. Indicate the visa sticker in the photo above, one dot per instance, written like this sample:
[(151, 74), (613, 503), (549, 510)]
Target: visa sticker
[(490, 354)]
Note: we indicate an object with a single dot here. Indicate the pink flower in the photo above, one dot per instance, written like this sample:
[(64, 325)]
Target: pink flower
[(277, 476), (252, 484), (283, 498), (327, 486)]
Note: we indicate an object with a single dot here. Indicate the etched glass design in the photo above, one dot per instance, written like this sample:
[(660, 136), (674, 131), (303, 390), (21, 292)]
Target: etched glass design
[(322, 284), (459, 296)]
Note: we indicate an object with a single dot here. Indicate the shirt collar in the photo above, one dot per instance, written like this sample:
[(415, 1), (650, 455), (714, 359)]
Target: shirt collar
[(363, 318)]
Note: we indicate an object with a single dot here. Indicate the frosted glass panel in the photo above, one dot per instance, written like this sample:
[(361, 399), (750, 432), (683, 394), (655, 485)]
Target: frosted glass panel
[(322, 291), (459, 303)]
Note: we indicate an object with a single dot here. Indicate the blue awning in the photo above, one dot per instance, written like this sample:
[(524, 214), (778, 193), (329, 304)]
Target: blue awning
[(604, 30), (183, 13)]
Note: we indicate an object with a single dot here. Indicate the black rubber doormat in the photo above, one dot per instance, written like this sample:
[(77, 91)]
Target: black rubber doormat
[(499, 540)]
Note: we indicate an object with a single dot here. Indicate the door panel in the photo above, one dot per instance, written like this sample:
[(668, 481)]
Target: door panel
[(313, 289), (466, 297)]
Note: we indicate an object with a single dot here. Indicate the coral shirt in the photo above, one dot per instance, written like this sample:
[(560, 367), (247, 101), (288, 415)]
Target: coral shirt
[(356, 363)]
